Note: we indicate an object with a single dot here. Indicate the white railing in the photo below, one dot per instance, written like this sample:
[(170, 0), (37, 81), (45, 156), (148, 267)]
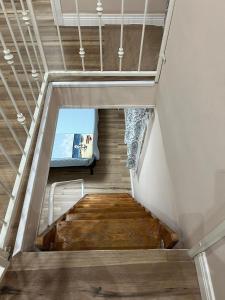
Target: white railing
[(26, 71), (51, 196)]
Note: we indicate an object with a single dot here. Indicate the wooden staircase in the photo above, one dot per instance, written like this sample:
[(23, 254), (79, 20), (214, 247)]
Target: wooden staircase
[(122, 269), (106, 222)]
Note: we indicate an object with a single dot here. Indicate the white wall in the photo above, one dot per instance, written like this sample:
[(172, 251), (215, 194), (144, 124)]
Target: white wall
[(152, 186), (191, 108)]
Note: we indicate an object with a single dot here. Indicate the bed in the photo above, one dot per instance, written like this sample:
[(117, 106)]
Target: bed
[(76, 138)]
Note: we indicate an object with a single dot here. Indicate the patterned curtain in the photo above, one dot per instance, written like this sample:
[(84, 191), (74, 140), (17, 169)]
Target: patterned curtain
[(135, 126)]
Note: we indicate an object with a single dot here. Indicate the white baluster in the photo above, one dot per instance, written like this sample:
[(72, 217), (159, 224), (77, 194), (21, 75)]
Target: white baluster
[(99, 10), (81, 52), (142, 35), (36, 32), (17, 49), (20, 117), (6, 189), (34, 73), (3, 222), (9, 59), (7, 122), (26, 19), (8, 158), (58, 32), (121, 50)]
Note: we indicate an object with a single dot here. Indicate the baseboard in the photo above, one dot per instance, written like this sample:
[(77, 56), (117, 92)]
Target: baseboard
[(204, 277), (132, 183), (110, 19)]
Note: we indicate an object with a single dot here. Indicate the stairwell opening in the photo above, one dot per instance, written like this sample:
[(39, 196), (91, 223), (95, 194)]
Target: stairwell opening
[(101, 95)]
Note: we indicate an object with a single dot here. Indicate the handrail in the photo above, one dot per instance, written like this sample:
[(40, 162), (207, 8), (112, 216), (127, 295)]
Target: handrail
[(51, 196), (214, 236)]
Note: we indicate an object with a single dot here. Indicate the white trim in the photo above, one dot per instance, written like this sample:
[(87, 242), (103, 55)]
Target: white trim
[(56, 74), (217, 234), (51, 196), (132, 182), (91, 19), (168, 21), (98, 84), (70, 19), (13, 202), (32, 176), (204, 277)]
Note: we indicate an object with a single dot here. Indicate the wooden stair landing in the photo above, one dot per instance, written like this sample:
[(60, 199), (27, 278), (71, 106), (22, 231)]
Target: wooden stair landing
[(106, 222), (110, 274)]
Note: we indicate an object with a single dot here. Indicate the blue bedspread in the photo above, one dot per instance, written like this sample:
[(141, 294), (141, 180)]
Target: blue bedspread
[(76, 138)]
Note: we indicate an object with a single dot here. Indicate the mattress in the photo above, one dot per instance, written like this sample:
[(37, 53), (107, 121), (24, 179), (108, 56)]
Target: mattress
[(76, 138)]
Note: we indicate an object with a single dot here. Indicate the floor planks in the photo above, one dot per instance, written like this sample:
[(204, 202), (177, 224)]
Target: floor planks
[(136, 275)]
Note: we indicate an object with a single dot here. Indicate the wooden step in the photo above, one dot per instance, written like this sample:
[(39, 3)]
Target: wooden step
[(107, 205), (106, 196), (107, 234), (117, 199), (102, 210), (107, 215), (71, 259), (111, 200)]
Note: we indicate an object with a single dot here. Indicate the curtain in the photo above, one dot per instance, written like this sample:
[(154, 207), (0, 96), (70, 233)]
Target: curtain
[(135, 127)]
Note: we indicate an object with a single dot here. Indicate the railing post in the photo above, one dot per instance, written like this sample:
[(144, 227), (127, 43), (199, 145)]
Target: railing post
[(81, 52), (9, 59), (34, 73), (8, 158), (142, 35), (20, 117), (121, 50), (6, 189), (37, 34), (99, 10), (58, 33), (17, 48), (11, 130), (26, 19)]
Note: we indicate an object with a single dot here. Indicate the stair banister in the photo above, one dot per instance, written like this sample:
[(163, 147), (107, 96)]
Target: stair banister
[(51, 196)]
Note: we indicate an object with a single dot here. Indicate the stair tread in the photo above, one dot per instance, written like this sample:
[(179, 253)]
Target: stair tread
[(71, 259), (109, 209), (110, 200), (122, 195), (107, 234), (107, 205), (107, 215)]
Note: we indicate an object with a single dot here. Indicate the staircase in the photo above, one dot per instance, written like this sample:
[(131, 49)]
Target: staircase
[(111, 234), (106, 222)]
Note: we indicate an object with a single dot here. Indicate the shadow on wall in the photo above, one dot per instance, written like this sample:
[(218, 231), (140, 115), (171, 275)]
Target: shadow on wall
[(203, 224)]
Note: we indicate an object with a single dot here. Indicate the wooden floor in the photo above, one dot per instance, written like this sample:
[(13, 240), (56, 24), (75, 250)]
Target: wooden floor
[(110, 173), (85, 275)]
